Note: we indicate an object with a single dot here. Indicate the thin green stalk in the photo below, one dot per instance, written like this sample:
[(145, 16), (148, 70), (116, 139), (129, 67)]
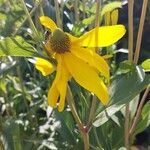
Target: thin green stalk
[(22, 86), (93, 106), (31, 13), (71, 103), (29, 18), (96, 137), (92, 112), (85, 136), (97, 14), (130, 29), (140, 31), (130, 58), (76, 9), (84, 6), (62, 4), (126, 127), (81, 127), (58, 19), (139, 110)]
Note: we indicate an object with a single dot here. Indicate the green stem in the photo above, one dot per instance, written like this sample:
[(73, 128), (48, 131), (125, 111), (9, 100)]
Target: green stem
[(70, 101), (140, 31), (93, 106), (139, 111), (97, 139), (130, 57), (58, 20), (130, 27), (31, 13), (126, 126), (22, 86), (85, 137), (81, 127), (84, 6), (29, 18), (76, 9), (92, 112)]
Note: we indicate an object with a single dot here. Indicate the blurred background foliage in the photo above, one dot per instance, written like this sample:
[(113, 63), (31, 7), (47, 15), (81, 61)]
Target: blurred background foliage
[(25, 120)]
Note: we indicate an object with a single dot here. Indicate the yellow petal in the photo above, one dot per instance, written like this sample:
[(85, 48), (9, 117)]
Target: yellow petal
[(86, 76), (114, 17), (72, 38), (62, 86), (48, 23), (107, 18), (48, 48), (44, 66), (93, 60), (53, 95), (107, 35)]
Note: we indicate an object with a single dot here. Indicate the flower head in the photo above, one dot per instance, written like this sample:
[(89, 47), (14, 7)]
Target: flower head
[(76, 59)]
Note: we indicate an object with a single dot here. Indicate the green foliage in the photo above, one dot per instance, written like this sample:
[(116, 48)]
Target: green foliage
[(110, 7), (17, 47), (106, 8), (123, 89), (144, 120), (26, 121), (146, 65)]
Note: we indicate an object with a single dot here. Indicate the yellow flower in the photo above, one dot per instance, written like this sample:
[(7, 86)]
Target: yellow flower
[(76, 59)]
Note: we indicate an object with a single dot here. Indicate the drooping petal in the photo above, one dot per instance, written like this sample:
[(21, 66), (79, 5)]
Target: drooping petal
[(107, 35), (44, 66), (107, 18), (114, 17), (48, 23), (93, 60), (86, 76), (53, 93), (62, 85)]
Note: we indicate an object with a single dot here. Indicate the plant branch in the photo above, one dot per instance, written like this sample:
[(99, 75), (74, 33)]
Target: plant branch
[(139, 110), (29, 18), (58, 20), (130, 29), (31, 13), (130, 58), (92, 112), (140, 31), (70, 101), (76, 9), (126, 126), (81, 127)]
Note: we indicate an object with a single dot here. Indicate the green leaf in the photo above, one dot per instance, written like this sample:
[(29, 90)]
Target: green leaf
[(125, 67), (17, 47), (89, 20), (146, 65), (144, 121), (123, 89), (11, 134), (67, 126), (107, 8), (110, 7)]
